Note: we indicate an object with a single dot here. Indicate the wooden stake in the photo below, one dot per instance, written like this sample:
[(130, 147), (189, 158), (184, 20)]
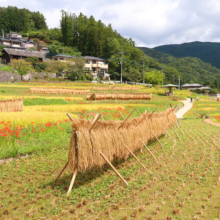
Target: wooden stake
[(148, 110), (72, 182), (126, 119), (148, 150), (97, 116), (158, 109), (109, 163), (145, 111), (167, 133), (157, 139), (61, 171), (122, 115), (165, 107), (136, 158)]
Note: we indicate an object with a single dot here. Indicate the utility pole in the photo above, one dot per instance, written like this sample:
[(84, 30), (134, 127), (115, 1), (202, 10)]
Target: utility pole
[(121, 64), (179, 82), (143, 70), (162, 72), (173, 78)]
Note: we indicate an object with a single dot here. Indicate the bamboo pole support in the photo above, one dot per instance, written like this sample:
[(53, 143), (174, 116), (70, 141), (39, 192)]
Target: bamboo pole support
[(179, 128), (145, 111), (175, 132), (61, 171), (167, 133), (97, 116), (148, 110), (158, 109), (121, 115), (126, 119), (157, 139), (148, 150), (136, 158), (72, 182), (109, 163), (138, 112), (165, 107), (69, 116)]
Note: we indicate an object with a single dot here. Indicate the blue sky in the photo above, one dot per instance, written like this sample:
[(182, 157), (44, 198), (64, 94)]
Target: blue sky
[(148, 22)]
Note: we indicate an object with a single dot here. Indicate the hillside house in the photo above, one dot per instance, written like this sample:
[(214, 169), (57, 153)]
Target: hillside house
[(9, 54), (15, 41), (191, 86)]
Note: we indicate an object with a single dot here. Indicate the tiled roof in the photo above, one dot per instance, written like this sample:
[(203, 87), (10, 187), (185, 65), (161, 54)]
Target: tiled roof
[(23, 53), (62, 55), (93, 58)]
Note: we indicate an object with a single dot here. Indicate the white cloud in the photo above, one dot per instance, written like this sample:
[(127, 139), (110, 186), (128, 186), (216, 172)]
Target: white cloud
[(148, 22)]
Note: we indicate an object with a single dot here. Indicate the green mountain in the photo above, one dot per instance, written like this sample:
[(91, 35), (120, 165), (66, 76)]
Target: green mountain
[(206, 51), (193, 69)]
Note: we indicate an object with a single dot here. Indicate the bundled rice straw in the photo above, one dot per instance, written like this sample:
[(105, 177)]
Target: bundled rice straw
[(105, 137), (126, 88), (59, 91), (121, 96), (11, 105), (101, 88)]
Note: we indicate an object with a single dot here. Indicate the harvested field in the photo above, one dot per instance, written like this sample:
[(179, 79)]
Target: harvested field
[(59, 91), (127, 88), (120, 96), (101, 88), (109, 138), (10, 105)]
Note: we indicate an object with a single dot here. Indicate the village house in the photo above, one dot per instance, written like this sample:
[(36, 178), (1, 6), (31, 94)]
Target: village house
[(15, 41), (191, 86), (9, 54)]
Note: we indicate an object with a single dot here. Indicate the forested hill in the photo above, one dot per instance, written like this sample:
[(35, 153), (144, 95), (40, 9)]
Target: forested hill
[(206, 51), (20, 20), (193, 69)]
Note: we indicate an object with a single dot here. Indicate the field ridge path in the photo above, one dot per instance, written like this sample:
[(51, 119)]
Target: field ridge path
[(187, 106)]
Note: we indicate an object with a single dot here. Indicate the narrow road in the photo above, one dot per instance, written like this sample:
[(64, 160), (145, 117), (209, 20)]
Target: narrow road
[(187, 106)]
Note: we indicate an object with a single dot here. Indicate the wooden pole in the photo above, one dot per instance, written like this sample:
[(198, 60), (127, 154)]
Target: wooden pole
[(165, 107), (61, 171), (148, 110), (122, 115), (148, 150), (109, 163), (72, 182), (126, 119), (158, 109), (167, 133), (97, 116), (136, 158), (157, 139)]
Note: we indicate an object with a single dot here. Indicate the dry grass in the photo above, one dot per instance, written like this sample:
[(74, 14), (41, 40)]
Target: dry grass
[(109, 138), (59, 91), (126, 88), (120, 96), (11, 105), (101, 88)]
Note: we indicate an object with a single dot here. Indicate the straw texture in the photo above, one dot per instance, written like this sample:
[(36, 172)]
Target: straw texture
[(120, 96), (101, 88), (126, 88), (105, 137), (11, 105), (59, 91)]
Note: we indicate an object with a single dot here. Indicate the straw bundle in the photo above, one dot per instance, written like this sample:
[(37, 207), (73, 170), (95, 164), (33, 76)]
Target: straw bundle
[(106, 137), (218, 99), (126, 88), (120, 96), (11, 105), (101, 88), (59, 91)]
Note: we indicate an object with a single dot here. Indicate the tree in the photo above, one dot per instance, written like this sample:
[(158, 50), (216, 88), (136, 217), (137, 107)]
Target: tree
[(154, 77), (22, 67), (54, 66)]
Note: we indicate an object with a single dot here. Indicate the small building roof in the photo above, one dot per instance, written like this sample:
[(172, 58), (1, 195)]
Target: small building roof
[(62, 55), (207, 88), (191, 85), (169, 85), (93, 58), (21, 53)]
